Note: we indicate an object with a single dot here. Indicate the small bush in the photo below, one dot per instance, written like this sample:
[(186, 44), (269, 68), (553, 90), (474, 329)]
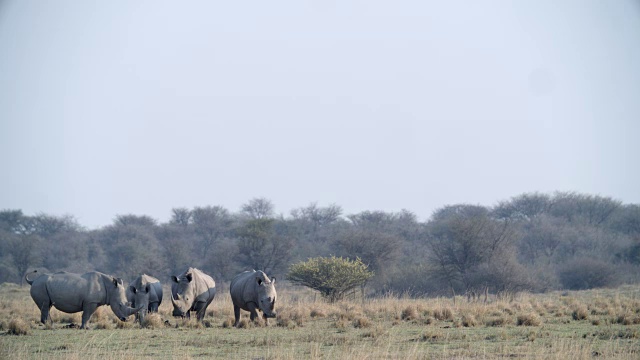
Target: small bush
[(361, 322), (409, 313), (376, 332), (587, 273), (152, 321), (245, 324), (18, 327), (443, 314), (333, 277), (498, 320), (468, 320), (317, 313), (627, 319), (286, 322), (528, 319), (431, 336), (341, 324), (580, 313)]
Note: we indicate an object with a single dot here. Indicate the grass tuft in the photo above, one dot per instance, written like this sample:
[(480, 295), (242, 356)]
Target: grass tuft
[(152, 321), (409, 313), (468, 320), (528, 319), (18, 327), (246, 324), (361, 322), (318, 313), (443, 314), (580, 313)]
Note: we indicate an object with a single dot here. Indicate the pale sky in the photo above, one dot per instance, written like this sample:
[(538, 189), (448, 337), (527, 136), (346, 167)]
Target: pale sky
[(138, 107)]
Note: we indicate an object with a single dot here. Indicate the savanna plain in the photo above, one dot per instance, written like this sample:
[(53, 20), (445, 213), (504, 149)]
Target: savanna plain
[(592, 324)]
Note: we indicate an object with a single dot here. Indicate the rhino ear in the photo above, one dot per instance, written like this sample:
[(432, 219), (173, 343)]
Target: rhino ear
[(273, 280), (133, 289), (189, 277), (259, 280), (174, 278), (115, 282), (146, 288)]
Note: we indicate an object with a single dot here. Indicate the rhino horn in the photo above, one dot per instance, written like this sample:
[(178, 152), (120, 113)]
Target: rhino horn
[(130, 311)]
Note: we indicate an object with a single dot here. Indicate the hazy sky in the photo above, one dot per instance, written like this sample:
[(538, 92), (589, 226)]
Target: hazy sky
[(118, 107)]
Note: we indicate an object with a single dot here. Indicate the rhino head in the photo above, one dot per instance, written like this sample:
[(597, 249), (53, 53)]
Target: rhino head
[(118, 300), (182, 294), (267, 296), (141, 300)]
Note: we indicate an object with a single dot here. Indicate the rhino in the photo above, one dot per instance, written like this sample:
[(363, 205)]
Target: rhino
[(252, 291), (72, 293), (192, 290), (145, 291)]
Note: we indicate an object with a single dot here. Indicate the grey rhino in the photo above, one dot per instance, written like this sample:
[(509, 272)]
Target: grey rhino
[(72, 293), (192, 290), (144, 291), (253, 291)]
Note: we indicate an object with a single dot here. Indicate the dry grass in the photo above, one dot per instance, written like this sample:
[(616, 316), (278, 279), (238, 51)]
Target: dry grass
[(362, 322), (572, 325), (18, 327), (528, 319), (153, 321)]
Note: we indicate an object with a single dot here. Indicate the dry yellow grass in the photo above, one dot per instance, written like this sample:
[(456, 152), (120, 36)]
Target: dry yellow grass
[(557, 327)]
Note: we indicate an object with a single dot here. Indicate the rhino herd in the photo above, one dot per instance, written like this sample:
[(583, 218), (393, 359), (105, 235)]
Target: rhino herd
[(191, 291)]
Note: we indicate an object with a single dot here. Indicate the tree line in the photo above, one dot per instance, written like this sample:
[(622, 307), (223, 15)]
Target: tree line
[(533, 241)]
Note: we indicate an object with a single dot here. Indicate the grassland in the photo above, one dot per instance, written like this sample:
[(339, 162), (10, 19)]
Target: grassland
[(602, 324)]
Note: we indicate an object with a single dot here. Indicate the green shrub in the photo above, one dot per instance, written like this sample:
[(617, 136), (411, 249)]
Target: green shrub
[(332, 276)]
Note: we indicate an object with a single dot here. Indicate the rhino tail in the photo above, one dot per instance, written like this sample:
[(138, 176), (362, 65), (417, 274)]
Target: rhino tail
[(26, 277)]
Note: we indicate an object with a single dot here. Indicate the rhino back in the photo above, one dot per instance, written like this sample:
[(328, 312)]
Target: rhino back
[(38, 290), (243, 288), (155, 293), (201, 286), (204, 285), (155, 287), (69, 291)]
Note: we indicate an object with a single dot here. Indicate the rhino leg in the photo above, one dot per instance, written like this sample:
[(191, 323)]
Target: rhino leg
[(236, 312), (201, 309), (44, 312), (153, 307), (87, 311), (254, 311)]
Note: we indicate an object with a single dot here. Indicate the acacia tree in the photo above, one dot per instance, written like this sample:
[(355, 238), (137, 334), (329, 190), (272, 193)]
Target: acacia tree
[(260, 247), (332, 276), (464, 237), (19, 243), (377, 249), (314, 221), (211, 224), (258, 208)]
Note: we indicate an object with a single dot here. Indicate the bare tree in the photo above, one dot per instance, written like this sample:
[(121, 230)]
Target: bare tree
[(463, 237), (259, 247), (259, 208), (180, 216), (24, 253), (211, 223), (523, 207), (314, 221)]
